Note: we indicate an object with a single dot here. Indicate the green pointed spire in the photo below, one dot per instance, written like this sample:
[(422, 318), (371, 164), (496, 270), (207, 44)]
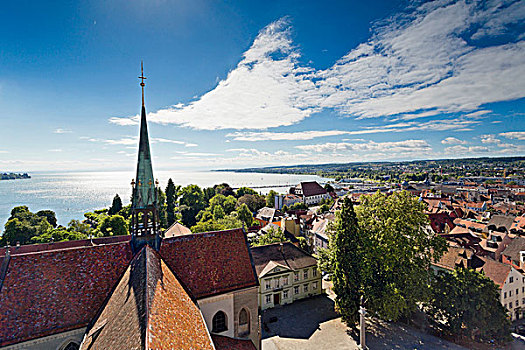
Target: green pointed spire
[(144, 194)]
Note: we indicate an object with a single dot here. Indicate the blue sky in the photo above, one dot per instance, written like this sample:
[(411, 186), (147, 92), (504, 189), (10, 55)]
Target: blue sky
[(256, 83)]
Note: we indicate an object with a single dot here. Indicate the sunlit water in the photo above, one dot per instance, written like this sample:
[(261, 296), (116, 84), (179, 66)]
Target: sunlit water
[(70, 195)]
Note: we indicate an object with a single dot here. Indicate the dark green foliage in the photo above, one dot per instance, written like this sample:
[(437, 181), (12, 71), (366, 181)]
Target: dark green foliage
[(23, 225), (466, 303), (245, 215), (270, 198), (328, 187), (398, 252), (298, 206), (116, 206), (58, 235), (208, 192), (49, 215), (384, 256), (162, 206), (347, 245), (224, 189), (209, 223), (171, 202), (114, 225), (245, 190), (191, 203), (253, 201), (274, 235)]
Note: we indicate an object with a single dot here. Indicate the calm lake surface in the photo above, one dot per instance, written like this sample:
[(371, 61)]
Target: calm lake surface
[(70, 195)]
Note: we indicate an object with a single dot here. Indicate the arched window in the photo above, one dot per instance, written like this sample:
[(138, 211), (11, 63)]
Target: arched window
[(243, 317), (219, 322), (244, 323), (71, 346)]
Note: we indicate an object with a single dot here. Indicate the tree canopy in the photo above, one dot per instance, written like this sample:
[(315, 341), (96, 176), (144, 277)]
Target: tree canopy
[(466, 303)]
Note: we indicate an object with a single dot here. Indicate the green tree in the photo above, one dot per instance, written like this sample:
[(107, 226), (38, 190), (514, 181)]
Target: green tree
[(270, 198), (80, 227), (224, 189), (218, 212), (114, 225), (116, 206), (227, 222), (329, 187), (192, 202), (245, 215), (399, 251), (161, 203), (273, 235), (347, 245), (466, 303), (171, 201), (208, 192), (245, 190), (58, 235), (49, 215), (253, 201), (22, 225)]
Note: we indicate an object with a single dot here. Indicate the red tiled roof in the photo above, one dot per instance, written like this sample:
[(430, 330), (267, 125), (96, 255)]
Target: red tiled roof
[(42, 247), (495, 270), (439, 220), (152, 307), (54, 291), (225, 343), (210, 263)]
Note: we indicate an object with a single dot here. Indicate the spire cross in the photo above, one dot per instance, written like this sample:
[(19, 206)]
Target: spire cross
[(142, 77)]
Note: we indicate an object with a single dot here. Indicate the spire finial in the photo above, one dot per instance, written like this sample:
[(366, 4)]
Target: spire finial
[(142, 77)]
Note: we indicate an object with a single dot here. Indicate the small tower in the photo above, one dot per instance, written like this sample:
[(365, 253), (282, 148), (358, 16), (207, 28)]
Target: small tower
[(145, 227)]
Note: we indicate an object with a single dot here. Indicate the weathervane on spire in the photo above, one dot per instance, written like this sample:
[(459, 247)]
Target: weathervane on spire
[(142, 77)]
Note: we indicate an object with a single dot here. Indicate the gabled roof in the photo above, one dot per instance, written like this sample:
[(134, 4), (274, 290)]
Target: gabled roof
[(210, 263), (271, 265), (57, 290), (514, 248), (153, 309), (311, 188), (177, 229), (286, 254), (496, 271), (499, 221)]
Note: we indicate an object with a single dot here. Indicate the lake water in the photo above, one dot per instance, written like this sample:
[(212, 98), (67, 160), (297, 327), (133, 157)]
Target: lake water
[(71, 195)]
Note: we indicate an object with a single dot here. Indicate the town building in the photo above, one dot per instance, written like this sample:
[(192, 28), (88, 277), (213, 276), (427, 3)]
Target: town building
[(311, 192), (286, 273), (143, 291)]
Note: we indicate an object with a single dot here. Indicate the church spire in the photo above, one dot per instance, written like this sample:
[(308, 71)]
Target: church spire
[(145, 224)]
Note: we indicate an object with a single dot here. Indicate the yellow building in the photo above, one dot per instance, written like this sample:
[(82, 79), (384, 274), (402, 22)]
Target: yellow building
[(286, 273)]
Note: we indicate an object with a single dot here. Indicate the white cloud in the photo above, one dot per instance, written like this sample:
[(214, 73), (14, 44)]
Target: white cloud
[(463, 150), (62, 131), (407, 146), (274, 136), (453, 141), (516, 135), (55, 150), (417, 64), (489, 139)]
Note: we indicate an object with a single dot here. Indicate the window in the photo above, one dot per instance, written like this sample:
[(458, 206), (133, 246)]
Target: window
[(219, 322), (243, 317), (277, 283), (510, 305), (268, 299), (285, 281), (296, 290), (305, 288), (72, 346), (296, 276), (517, 303), (285, 294), (314, 272), (511, 279), (517, 291), (268, 284), (510, 293), (305, 274), (505, 295), (314, 286), (523, 289)]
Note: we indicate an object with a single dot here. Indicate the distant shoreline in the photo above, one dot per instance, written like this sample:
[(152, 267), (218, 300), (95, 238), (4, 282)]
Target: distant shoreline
[(14, 176)]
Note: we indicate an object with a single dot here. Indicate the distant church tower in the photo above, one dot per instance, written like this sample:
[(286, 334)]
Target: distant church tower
[(145, 227)]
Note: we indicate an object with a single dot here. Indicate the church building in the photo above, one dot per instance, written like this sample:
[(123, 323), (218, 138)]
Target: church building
[(142, 291)]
